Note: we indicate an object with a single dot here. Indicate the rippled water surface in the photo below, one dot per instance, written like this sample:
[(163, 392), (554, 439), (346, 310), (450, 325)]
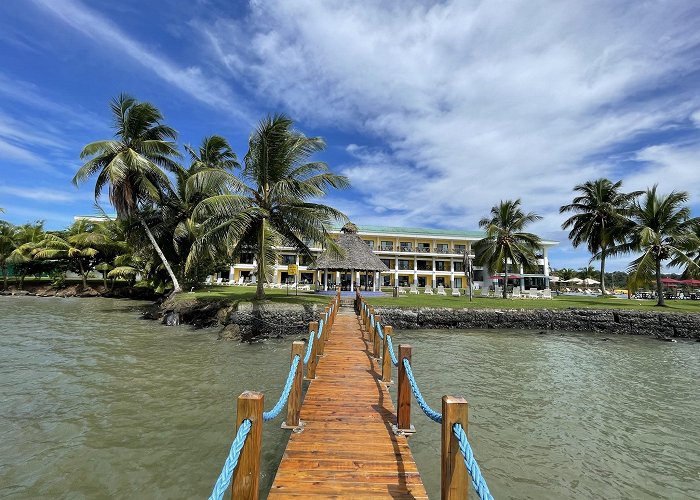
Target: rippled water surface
[(96, 403)]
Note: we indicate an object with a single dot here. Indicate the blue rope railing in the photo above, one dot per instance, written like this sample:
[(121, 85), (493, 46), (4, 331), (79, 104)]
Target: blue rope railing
[(379, 330), (309, 346), (277, 409), (320, 329), (430, 413), (224, 480), (392, 354), (478, 480)]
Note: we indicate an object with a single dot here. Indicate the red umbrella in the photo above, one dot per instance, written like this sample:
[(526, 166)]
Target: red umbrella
[(511, 277), (671, 280), (692, 282)]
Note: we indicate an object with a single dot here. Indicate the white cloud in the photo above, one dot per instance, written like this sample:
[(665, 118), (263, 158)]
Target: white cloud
[(191, 80), (45, 194), (473, 102)]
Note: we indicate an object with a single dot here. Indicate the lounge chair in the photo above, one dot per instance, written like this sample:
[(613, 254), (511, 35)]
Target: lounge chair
[(455, 292), (497, 291), (219, 281), (402, 291), (428, 290), (414, 289), (441, 290), (207, 282), (516, 293), (546, 293), (534, 293)]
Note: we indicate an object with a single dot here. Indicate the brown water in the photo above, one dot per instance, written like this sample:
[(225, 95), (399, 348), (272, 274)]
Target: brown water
[(96, 403)]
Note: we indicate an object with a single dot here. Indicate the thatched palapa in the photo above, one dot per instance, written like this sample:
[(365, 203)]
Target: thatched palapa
[(357, 255)]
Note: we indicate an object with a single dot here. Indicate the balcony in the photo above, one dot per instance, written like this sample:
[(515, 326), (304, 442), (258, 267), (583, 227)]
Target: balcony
[(386, 248), (441, 250), (405, 248)]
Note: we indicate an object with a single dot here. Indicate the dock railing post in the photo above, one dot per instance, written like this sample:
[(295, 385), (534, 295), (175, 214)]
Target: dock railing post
[(377, 341), (386, 358), (294, 401), (313, 358), (403, 412), (454, 480), (327, 331), (321, 341), (246, 476)]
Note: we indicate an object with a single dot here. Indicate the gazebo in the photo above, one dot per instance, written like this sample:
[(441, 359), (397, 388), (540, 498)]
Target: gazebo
[(357, 257)]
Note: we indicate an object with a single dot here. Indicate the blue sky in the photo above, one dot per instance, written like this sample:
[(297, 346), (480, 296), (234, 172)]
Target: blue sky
[(435, 111)]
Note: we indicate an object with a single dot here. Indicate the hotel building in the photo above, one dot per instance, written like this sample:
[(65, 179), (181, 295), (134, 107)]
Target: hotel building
[(426, 257)]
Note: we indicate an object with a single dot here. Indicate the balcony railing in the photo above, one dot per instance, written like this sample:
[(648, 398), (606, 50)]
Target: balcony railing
[(386, 248), (403, 248)]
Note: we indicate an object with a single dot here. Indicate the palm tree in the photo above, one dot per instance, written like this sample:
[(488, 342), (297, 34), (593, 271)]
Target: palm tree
[(586, 272), (566, 273), (8, 243), (26, 240), (505, 240), (662, 229), (273, 203), (131, 165), (79, 246), (600, 218)]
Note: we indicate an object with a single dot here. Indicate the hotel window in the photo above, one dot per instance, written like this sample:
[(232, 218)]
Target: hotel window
[(424, 247), (246, 258), (439, 265), (404, 265), (386, 280), (304, 260), (423, 266), (442, 248), (460, 248), (459, 267), (386, 245), (370, 244), (458, 282), (289, 259), (406, 246), (388, 263), (478, 275)]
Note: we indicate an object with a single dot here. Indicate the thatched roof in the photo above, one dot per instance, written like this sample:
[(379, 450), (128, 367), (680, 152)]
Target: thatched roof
[(358, 255)]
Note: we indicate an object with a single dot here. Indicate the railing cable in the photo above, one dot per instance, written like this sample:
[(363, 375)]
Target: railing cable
[(277, 409), (478, 480), (224, 480), (429, 412)]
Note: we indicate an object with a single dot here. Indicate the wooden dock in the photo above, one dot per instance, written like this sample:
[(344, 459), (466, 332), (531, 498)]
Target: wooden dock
[(347, 448)]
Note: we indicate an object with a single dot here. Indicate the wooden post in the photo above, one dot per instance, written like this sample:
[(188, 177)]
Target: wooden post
[(403, 413), (322, 340), (327, 331), (377, 340), (386, 358), (246, 477), (294, 401), (455, 480), (313, 359)]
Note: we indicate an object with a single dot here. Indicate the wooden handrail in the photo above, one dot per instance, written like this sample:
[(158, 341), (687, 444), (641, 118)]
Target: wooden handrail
[(246, 477), (454, 477)]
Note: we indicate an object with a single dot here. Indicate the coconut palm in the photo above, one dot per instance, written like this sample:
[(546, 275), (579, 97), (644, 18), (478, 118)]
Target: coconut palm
[(8, 243), (506, 240), (26, 240), (600, 219), (132, 164), (662, 230), (273, 203)]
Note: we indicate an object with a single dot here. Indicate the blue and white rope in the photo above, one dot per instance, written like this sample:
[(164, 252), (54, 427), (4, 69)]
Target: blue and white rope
[(392, 354), (224, 480), (379, 330), (275, 411), (430, 413), (478, 480), (309, 346)]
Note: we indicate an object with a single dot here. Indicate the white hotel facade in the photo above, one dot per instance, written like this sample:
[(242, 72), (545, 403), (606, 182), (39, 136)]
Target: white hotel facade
[(426, 257)]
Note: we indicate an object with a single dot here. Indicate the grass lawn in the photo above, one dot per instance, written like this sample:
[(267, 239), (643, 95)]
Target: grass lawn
[(236, 294), (560, 302)]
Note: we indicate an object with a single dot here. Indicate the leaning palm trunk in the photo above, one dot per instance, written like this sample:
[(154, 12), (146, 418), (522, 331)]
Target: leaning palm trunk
[(659, 290), (176, 284), (83, 274), (260, 290), (602, 271)]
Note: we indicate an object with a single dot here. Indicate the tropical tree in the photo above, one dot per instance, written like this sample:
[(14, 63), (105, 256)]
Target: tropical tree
[(274, 201), (26, 240), (79, 246), (601, 218), (566, 273), (132, 164), (587, 272), (207, 176), (506, 240), (8, 243), (662, 230)]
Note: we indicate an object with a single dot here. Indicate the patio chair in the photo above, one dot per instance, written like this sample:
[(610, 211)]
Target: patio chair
[(534, 293), (441, 290), (207, 282), (402, 291), (414, 289), (547, 293), (428, 290), (516, 293), (497, 291), (455, 292), (219, 281)]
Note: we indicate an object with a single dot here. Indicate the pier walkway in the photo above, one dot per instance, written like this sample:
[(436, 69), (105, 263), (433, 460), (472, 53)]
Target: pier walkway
[(347, 448)]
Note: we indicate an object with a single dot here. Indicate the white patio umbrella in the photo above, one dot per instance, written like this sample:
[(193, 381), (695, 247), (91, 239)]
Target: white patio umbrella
[(590, 281), (553, 279), (573, 280)]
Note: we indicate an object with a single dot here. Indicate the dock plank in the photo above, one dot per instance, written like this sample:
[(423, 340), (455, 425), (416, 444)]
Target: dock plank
[(347, 448)]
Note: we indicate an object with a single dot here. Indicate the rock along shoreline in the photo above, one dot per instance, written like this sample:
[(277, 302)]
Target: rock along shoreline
[(249, 321)]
